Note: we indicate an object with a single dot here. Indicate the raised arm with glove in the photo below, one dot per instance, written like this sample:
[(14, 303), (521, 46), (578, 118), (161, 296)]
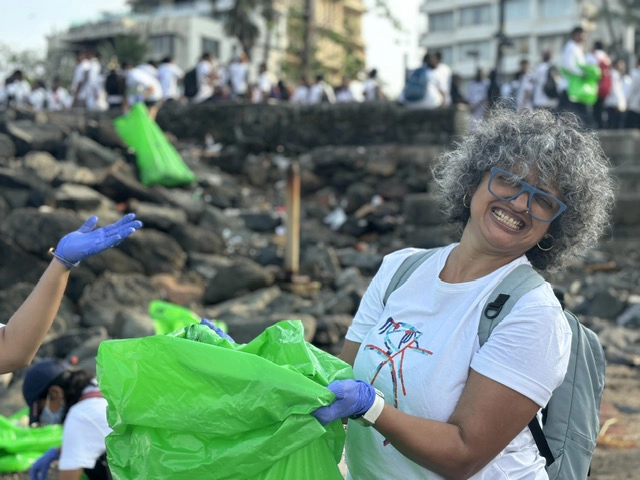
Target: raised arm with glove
[(23, 334)]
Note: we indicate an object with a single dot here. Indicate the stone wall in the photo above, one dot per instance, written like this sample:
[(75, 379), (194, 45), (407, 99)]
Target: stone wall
[(301, 127), (380, 127)]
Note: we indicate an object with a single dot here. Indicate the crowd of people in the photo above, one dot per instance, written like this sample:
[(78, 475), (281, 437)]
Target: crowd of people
[(551, 85), (120, 84)]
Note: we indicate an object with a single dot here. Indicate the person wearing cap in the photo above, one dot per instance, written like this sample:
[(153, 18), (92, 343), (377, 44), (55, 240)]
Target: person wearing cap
[(21, 337), (59, 393)]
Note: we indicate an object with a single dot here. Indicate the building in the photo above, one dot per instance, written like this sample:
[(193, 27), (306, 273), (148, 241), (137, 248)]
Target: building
[(184, 29), (466, 31)]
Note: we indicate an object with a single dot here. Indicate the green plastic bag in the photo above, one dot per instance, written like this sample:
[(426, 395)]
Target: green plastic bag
[(158, 161), (583, 89), (168, 317), (193, 405), (21, 446)]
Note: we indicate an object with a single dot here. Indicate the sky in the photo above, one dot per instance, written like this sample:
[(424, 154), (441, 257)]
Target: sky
[(27, 23)]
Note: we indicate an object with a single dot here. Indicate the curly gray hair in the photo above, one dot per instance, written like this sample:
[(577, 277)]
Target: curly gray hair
[(565, 157)]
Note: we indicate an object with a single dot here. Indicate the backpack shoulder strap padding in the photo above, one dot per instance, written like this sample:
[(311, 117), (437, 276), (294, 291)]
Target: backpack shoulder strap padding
[(519, 281), (404, 271)]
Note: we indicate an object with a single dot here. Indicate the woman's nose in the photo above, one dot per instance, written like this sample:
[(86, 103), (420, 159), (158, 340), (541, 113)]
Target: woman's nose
[(521, 202)]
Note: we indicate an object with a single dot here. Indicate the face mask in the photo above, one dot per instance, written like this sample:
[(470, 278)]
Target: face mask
[(47, 417)]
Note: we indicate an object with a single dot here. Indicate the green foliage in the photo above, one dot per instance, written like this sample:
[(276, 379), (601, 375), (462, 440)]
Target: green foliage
[(30, 62), (239, 20), (123, 47)]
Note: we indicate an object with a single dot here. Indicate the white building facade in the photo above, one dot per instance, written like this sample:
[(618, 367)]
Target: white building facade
[(465, 31), (180, 29)]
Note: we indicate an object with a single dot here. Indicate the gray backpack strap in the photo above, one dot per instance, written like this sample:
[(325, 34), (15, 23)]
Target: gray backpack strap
[(519, 281), (404, 271)]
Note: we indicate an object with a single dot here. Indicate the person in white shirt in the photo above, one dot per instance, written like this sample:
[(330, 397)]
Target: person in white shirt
[(239, 77), (321, 91), (615, 103), (80, 79), (141, 86), (301, 92), (38, 96), (58, 97), (632, 116), (205, 78), (344, 93), (59, 393), (572, 58), (537, 81), (96, 96), (446, 406), (169, 75), (18, 90), (262, 90), (441, 74), (371, 90), (477, 97)]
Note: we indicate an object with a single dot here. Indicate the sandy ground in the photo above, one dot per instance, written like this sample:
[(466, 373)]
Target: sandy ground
[(617, 456)]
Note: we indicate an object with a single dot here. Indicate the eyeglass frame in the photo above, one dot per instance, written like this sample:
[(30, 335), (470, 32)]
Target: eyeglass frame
[(526, 187)]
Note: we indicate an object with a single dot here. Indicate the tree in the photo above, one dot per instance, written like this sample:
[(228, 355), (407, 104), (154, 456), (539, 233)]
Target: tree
[(123, 47), (30, 62), (240, 21), (626, 12)]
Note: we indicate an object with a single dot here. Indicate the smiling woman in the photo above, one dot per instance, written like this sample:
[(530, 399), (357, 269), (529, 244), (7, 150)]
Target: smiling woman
[(528, 190)]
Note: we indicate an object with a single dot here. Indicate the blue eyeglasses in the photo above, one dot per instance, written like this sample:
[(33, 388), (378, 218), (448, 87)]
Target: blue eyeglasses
[(542, 206)]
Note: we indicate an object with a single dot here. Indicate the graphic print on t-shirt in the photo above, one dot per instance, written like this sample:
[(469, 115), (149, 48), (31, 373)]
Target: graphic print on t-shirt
[(399, 338)]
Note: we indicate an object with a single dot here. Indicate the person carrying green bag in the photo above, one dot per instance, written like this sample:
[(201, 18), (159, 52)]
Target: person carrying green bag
[(578, 86)]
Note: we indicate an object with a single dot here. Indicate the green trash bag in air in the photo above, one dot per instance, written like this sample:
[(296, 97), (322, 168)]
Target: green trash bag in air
[(158, 161), (21, 446), (192, 405)]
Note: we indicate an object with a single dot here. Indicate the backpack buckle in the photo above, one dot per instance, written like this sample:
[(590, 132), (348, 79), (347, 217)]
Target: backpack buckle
[(494, 308)]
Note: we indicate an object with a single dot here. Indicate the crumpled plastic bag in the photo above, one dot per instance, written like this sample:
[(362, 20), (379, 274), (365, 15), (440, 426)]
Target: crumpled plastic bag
[(21, 446), (192, 405), (159, 163)]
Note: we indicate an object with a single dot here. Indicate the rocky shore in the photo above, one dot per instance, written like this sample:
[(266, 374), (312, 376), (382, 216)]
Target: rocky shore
[(219, 246)]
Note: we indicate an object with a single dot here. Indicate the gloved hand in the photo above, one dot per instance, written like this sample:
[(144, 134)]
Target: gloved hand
[(39, 469), (84, 242), (353, 398), (209, 323)]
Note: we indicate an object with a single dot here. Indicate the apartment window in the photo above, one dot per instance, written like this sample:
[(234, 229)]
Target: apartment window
[(478, 15), (211, 46), (556, 8), (520, 46), (475, 51), (441, 22), (516, 10), (163, 46), (447, 54), (553, 43)]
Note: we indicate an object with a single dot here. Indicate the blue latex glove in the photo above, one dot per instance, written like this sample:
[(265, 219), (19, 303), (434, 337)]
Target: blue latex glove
[(39, 469), (86, 241), (209, 323), (353, 398)]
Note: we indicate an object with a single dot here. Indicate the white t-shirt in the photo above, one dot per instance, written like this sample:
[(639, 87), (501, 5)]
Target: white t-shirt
[(238, 76), (59, 99), (430, 329), (538, 79), (168, 75), (83, 433), (138, 81)]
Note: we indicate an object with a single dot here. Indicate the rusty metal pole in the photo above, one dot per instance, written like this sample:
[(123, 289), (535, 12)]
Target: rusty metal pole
[(292, 246)]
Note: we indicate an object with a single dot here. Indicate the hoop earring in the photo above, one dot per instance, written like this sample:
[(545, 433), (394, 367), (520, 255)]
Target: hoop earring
[(464, 202), (547, 248)]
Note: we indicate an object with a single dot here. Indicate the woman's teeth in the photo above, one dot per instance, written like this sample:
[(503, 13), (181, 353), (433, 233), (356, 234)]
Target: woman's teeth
[(507, 220)]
